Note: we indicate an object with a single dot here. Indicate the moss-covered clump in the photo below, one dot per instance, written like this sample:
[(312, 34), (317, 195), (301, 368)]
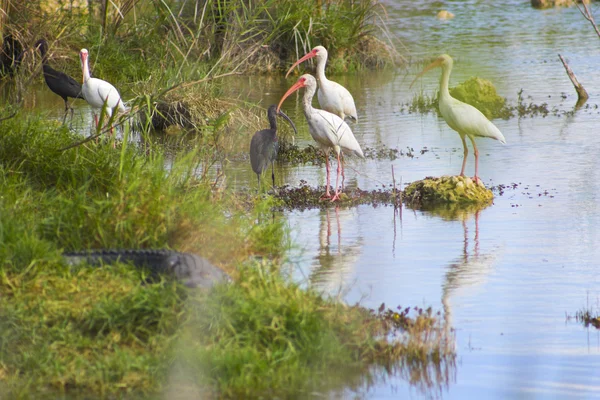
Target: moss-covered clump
[(481, 94), (446, 189)]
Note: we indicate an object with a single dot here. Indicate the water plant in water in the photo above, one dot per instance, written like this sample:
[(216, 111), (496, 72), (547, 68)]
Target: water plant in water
[(446, 189)]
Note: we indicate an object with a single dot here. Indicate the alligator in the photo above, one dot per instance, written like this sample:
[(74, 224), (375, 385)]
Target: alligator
[(192, 270)]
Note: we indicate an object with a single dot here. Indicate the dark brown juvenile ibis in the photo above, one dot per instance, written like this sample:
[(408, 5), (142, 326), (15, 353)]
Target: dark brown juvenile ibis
[(265, 144)]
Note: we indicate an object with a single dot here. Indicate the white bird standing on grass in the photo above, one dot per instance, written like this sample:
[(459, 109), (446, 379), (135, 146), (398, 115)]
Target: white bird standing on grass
[(332, 96), (463, 118), (327, 129), (98, 93)]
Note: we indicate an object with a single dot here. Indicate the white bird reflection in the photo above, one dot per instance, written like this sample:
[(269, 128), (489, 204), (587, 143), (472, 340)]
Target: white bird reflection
[(471, 269), (333, 266)]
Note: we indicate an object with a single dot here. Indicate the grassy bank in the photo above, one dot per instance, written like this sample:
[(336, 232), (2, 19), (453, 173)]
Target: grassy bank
[(101, 332), (106, 332)]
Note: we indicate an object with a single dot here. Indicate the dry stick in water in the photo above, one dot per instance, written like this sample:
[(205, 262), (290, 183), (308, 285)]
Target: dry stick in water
[(588, 15), (582, 95)]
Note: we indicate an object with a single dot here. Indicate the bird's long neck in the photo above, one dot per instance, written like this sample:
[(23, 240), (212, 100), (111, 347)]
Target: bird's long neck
[(86, 71), (446, 69), (307, 107), (44, 53), (272, 121), (320, 72)]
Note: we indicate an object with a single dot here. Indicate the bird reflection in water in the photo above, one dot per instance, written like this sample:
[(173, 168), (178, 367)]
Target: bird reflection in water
[(334, 263), (471, 268)]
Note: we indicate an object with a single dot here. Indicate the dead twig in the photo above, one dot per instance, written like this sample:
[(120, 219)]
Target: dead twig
[(582, 95), (588, 15), (9, 117)]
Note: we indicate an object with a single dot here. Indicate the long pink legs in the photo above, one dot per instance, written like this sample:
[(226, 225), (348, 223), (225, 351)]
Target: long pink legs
[(466, 153), (327, 195), (336, 195), (476, 177)]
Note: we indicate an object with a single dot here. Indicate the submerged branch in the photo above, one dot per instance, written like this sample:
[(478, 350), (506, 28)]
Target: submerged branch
[(582, 95)]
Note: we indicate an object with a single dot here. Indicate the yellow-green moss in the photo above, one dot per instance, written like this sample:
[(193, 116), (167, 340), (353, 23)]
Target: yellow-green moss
[(447, 189), (481, 94)]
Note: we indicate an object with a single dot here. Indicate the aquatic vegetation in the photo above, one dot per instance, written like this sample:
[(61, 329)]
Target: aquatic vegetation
[(294, 154), (446, 189), (481, 94), (305, 197), (588, 315)]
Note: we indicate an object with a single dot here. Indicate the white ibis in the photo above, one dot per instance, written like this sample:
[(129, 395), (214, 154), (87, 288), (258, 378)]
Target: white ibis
[(463, 118), (59, 82), (98, 93), (264, 145), (327, 129), (332, 96)]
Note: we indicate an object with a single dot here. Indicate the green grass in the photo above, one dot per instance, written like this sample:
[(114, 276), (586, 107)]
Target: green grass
[(266, 337), (101, 332)]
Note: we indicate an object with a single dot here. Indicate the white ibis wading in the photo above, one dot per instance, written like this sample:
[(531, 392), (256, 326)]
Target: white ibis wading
[(264, 145), (463, 118), (327, 129), (98, 93), (332, 96)]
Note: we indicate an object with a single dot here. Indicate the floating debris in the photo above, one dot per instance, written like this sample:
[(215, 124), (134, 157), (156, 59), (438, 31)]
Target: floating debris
[(446, 189)]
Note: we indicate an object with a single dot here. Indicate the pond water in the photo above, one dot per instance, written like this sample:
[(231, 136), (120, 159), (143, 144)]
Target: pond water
[(506, 275), (509, 274)]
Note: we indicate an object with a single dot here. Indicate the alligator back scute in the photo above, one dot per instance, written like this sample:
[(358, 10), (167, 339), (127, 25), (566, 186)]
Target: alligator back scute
[(192, 270)]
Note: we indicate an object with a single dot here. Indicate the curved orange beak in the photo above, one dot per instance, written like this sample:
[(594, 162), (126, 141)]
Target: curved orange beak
[(295, 86), (308, 55), (436, 63)]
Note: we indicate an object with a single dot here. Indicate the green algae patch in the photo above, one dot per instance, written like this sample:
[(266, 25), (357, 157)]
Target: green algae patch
[(481, 94), (446, 190)]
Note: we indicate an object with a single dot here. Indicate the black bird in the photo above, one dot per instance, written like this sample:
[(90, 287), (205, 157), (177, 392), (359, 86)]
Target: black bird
[(264, 145), (59, 82)]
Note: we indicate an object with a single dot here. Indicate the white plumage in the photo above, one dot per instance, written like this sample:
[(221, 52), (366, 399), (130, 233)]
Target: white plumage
[(327, 129), (463, 118), (332, 96), (99, 93)]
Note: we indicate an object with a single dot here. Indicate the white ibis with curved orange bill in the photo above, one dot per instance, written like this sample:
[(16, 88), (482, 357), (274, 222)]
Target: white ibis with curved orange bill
[(332, 96), (98, 93), (327, 129), (463, 118)]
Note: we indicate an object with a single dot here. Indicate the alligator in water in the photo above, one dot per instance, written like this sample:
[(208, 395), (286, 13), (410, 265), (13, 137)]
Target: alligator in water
[(192, 270)]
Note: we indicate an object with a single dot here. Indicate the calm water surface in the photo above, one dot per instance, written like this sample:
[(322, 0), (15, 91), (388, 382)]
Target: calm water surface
[(506, 275)]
